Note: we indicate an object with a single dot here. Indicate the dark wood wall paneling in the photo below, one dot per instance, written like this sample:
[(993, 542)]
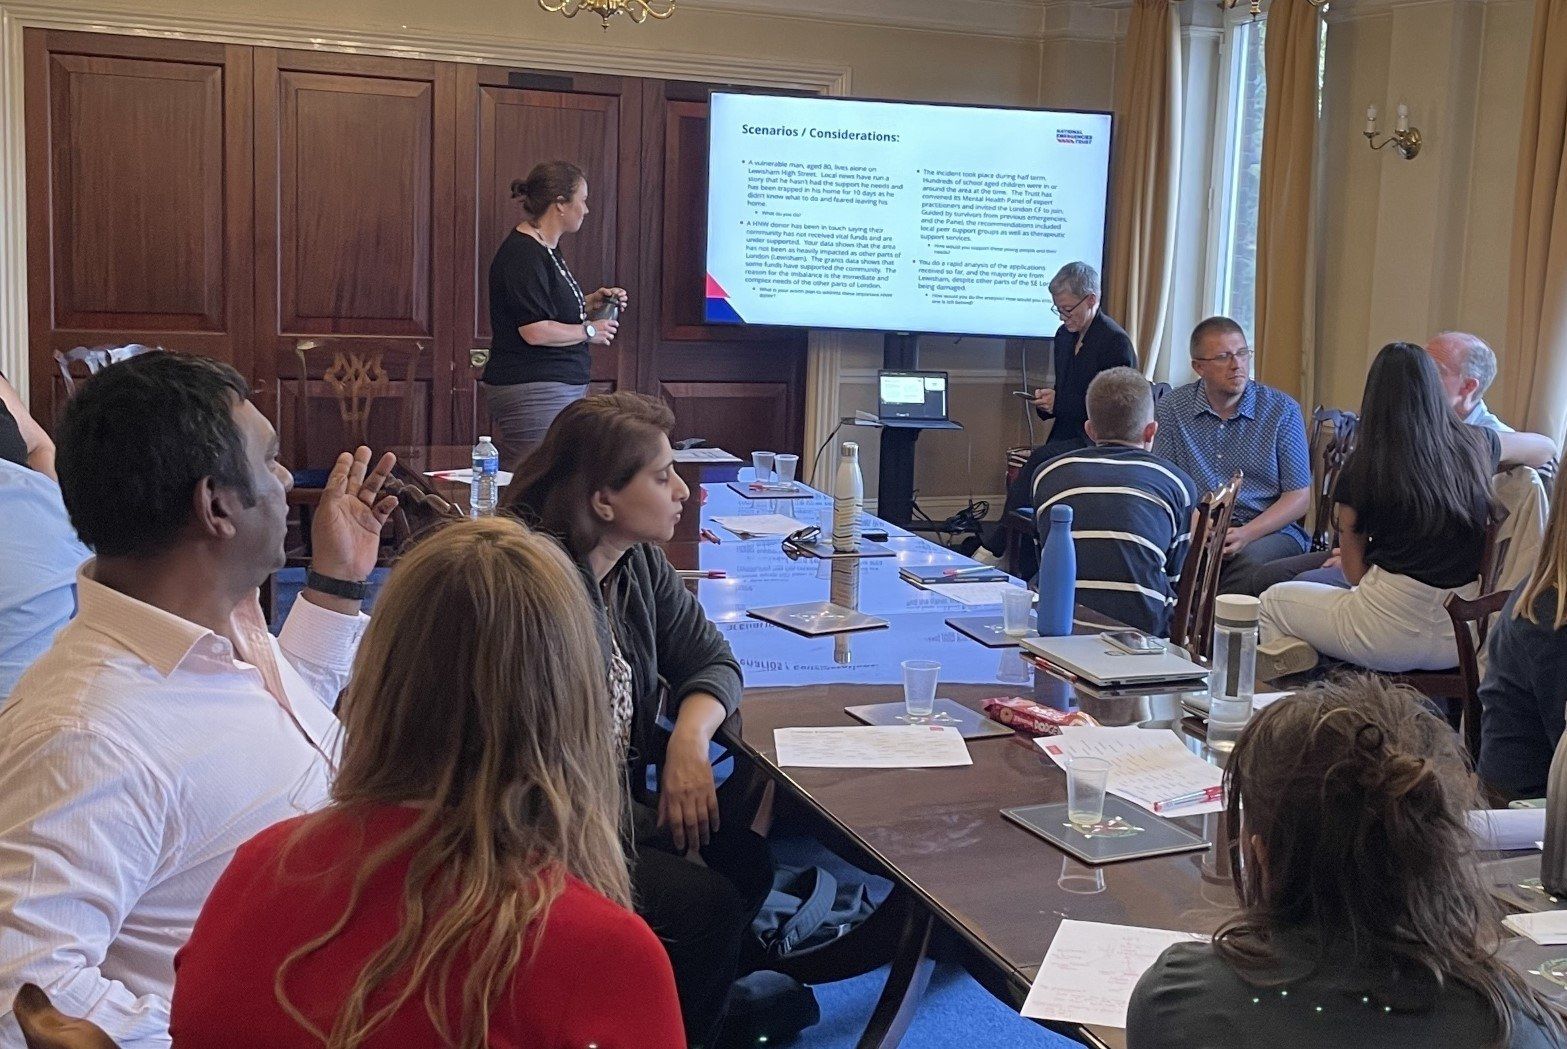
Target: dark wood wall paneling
[(234, 201)]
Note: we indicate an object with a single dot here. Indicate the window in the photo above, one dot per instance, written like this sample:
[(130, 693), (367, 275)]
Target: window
[(1232, 271)]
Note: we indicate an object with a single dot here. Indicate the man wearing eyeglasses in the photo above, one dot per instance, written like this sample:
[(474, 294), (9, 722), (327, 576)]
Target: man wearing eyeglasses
[(1226, 421), (1086, 343)]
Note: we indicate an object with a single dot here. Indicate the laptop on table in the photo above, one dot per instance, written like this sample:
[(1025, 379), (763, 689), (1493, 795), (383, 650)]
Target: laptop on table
[(913, 400)]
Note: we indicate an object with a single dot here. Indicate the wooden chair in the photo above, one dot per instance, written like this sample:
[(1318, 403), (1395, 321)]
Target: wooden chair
[(45, 1027), (94, 359), (1332, 438), (1471, 624), (418, 510), (1191, 624), (1456, 683)]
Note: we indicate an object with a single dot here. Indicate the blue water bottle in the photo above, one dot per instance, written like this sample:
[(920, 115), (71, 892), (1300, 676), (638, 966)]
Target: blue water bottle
[(1057, 575)]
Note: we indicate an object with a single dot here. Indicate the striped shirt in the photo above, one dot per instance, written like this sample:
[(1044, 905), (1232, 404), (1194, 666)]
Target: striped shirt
[(1131, 524)]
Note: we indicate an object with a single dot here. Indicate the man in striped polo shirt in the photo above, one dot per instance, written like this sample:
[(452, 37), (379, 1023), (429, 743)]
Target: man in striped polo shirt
[(1131, 510)]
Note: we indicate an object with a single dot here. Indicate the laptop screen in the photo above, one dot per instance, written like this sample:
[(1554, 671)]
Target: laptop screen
[(913, 395)]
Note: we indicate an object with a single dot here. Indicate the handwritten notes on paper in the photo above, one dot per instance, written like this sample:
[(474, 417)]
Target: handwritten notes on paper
[(1148, 767), (704, 455), (871, 747), (1091, 969)]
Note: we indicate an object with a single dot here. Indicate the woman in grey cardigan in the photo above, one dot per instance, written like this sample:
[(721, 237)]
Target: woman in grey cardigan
[(603, 483)]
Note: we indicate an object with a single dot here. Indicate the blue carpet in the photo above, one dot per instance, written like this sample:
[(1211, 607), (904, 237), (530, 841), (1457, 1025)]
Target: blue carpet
[(955, 1011)]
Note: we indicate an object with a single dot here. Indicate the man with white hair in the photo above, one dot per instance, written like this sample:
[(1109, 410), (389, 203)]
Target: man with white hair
[(1467, 367)]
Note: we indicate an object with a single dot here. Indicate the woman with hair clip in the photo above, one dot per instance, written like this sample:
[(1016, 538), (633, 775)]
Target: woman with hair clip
[(541, 321), (1524, 693), (604, 484), (466, 886), (1411, 505), (1364, 918)]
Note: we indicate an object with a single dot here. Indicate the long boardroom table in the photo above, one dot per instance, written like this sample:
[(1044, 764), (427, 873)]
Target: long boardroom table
[(937, 834)]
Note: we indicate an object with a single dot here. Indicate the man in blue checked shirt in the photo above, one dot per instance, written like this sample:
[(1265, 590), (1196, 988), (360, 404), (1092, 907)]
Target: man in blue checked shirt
[(1225, 422)]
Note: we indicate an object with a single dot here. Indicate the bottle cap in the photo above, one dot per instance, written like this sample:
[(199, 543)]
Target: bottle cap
[(1060, 512), (849, 450), (485, 439), (1238, 608)]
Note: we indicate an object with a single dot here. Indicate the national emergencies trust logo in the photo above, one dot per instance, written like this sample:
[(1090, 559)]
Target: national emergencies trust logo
[(1073, 137)]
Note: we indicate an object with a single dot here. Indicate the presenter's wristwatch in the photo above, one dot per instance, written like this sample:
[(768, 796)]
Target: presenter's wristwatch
[(590, 330), (343, 588)]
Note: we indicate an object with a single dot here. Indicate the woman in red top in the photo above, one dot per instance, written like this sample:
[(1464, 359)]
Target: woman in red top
[(466, 887)]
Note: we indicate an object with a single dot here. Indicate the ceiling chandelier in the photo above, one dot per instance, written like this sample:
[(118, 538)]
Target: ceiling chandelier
[(1254, 5), (637, 10)]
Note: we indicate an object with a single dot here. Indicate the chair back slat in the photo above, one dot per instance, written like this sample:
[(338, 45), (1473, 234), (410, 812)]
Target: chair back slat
[(1333, 433), (1191, 624), (1471, 623)]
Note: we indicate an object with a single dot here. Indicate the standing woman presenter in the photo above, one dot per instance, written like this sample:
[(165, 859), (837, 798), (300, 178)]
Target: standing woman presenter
[(541, 321)]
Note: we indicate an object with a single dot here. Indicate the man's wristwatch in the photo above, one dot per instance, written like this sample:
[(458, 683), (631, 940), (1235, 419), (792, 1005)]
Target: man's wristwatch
[(590, 330), (344, 588)]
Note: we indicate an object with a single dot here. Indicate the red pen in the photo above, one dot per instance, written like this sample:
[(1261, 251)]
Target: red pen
[(699, 573), (711, 536)]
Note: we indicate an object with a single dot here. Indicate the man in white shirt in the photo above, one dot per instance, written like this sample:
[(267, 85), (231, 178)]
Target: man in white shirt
[(165, 726), (1467, 367)]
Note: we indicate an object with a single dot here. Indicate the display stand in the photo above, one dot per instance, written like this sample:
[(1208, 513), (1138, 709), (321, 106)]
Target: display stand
[(895, 474)]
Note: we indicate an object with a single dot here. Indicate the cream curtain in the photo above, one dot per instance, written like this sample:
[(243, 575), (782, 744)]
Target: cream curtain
[(1535, 389), (1147, 177), (1289, 145)]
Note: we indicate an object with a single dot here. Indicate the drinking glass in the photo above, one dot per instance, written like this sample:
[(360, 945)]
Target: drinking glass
[(784, 466), (1080, 878), (1016, 601), (762, 465), (1085, 790), (919, 686)]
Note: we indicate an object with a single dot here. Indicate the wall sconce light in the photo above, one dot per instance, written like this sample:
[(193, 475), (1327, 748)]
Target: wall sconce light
[(1404, 138)]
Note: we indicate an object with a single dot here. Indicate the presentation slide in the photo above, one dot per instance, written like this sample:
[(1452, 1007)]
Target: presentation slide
[(892, 216)]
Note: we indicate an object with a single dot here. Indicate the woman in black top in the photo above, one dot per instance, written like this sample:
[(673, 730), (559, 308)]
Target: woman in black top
[(603, 483), (1411, 505), (22, 440), (541, 322), (1365, 919)]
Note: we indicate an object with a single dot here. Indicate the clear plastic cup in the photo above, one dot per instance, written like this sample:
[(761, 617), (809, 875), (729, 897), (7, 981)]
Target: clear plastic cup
[(1080, 878), (1016, 602), (919, 686), (1085, 790), (762, 465), (784, 466)]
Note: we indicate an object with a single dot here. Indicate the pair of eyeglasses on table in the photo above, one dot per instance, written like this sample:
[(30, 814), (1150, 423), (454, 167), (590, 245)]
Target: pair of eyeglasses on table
[(797, 544)]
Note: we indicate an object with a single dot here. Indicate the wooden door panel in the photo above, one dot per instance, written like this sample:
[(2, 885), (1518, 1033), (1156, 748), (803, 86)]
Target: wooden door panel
[(354, 204), (740, 417), (138, 198), (355, 171)]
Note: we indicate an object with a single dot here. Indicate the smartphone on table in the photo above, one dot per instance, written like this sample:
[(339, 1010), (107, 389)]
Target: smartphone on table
[(1134, 642)]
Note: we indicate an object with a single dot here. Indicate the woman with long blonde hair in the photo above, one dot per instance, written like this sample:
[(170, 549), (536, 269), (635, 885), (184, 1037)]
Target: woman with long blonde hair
[(467, 885), (1524, 692)]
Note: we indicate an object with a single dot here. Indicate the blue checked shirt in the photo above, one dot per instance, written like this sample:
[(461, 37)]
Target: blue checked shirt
[(1266, 439)]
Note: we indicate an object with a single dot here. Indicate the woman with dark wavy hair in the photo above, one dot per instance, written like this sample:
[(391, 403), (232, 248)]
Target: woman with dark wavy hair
[(1364, 920)]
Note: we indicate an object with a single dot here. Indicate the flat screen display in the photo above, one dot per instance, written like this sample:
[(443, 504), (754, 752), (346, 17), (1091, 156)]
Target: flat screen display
[(898, 216)]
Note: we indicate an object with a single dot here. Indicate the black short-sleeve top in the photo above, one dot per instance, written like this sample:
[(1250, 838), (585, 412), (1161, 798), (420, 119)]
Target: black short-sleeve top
[(529, 282), (1444, 554), (12, 445)]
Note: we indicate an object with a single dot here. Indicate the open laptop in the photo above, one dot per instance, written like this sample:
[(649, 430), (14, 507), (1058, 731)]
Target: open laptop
[(1098, 662), (913, 399)]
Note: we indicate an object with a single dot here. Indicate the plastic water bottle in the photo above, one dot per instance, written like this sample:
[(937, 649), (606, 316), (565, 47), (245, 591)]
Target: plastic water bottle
[(1058, 575), (482, 489), (1231, 679), (848, 499)]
